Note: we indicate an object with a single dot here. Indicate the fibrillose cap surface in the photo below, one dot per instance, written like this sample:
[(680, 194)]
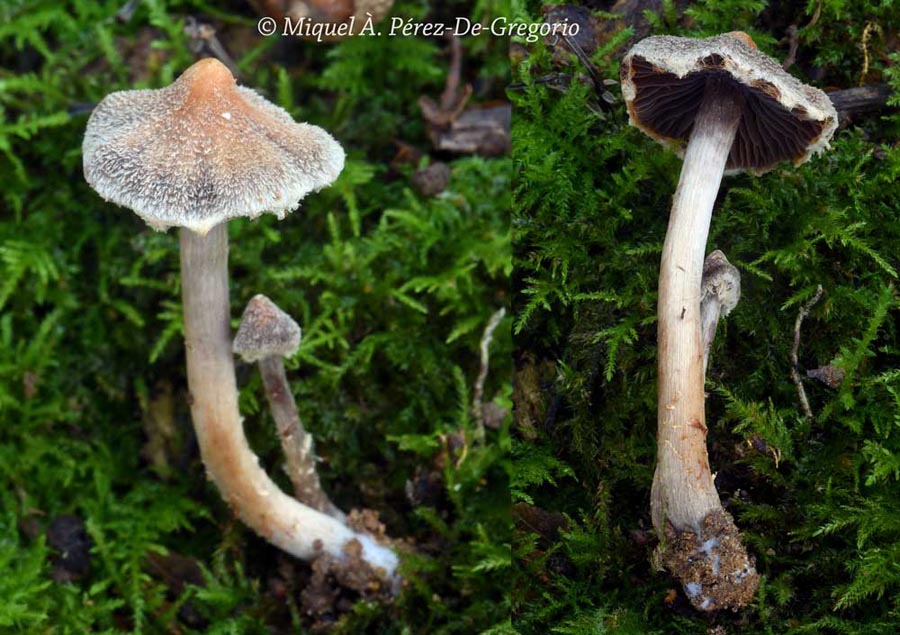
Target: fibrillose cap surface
[(663, 79), (204, 150), (265, 331)]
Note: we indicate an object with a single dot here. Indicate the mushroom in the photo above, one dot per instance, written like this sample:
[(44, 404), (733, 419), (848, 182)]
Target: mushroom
[(195, 154), (720, 290), (723, 106), (266, 335)]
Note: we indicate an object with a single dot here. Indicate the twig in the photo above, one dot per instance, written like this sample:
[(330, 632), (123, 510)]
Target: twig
[(585, 61), (557, 80), (453, 98), (867, 33), (795, 364), (816, 15), (478, 391), (860, 100), (793, 41), (126, 12), (450, 98), (203, 36)]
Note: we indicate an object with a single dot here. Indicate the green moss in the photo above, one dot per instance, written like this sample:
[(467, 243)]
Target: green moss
[(590, 208), (392, 290)]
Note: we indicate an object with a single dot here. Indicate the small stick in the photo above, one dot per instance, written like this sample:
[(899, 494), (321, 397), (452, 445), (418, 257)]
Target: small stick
[(860, 100), (453, 99), (795, 364), (450, 98), (478, 391), (867, 34), (595, 76), (267, 335), (204, 36), (126, 12), (793, 40)]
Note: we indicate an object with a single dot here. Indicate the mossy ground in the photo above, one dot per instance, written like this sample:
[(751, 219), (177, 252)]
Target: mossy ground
[(392, 290), (816, 500)]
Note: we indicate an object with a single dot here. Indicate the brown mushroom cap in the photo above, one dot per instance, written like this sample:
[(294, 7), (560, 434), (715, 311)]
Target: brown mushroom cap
[(663, 80), (203, 150), (265, 331)]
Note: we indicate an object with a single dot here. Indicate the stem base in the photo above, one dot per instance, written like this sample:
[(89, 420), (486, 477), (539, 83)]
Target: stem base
[(713, 565)]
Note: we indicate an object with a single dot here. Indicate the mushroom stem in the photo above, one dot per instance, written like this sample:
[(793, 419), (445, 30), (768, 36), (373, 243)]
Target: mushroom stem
[(710, 310), (684, 490), (702, 547), (296, 443), (230, 463)]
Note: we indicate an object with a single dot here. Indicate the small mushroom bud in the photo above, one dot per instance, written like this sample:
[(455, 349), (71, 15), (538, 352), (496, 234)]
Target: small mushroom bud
[(265, 331), (265, 336), (720, 290)]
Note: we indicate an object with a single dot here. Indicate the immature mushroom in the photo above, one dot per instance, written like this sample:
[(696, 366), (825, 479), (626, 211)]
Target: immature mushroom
[(266, 335), (724, 106), (720, 290), (195, 154)]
